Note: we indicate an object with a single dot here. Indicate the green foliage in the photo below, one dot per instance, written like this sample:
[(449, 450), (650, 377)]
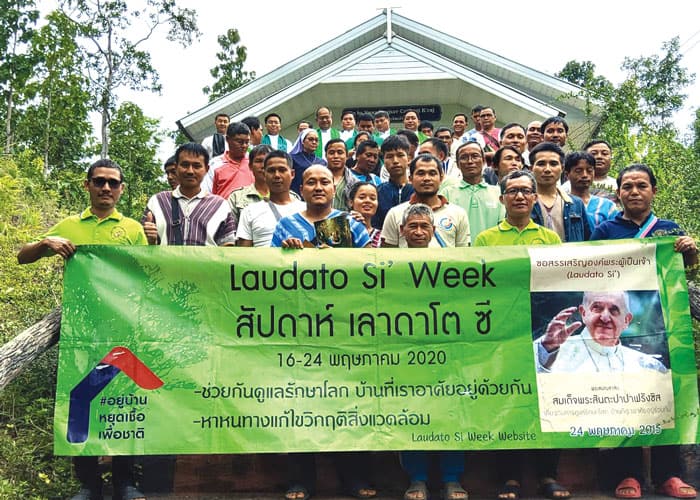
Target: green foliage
[(27, 467), (229, 72), (135, 141), (660, 81), (55, 121), (113, 52), (583, 75), (637, 122), (26, 211), (178, 137), (17, 20)]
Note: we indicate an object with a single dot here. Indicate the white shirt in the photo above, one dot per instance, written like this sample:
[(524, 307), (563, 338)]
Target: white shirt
[(580, 353), (258, 221), (274, 142), (451, 224)]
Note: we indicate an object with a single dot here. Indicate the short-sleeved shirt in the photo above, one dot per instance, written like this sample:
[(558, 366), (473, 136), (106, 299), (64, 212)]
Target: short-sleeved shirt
[(600, 209), (619, 228), (505, 234), (296, 226), (451, 225), (480, 201), (258, 221), (87, 229), (233, 174), (247, 195), (207, 218), (388, 196)]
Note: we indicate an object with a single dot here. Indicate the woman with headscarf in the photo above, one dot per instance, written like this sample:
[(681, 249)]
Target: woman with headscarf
[(303, 155)]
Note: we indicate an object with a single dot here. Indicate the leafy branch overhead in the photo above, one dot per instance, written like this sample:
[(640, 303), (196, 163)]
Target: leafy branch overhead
[(229, 72), (114, 36), (637, 121)]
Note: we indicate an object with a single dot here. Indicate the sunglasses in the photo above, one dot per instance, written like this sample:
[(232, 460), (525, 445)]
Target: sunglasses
[(101, 181)]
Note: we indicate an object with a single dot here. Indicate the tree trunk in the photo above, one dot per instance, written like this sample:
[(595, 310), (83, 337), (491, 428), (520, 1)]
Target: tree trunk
[(104, 130), (28, 345), (8, 122)]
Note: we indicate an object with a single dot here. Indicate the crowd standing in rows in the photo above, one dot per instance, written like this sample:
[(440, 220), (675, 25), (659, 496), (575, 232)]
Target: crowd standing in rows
[(419, 186)]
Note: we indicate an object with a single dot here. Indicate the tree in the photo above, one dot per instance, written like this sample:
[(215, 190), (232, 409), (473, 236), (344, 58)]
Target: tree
[(135, 141), (17, 19), (114, 52), (642, 104), (637, 122), (583, 75), (55, 120), (660, 82), (229, 72)]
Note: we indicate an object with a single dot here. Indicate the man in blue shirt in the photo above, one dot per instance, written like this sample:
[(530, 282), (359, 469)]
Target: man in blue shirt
[(397, 189), (580, 170), (299, 230), (636, 188)]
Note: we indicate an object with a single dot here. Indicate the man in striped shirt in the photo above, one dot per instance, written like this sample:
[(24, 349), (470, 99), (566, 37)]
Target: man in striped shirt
[(189, 215)]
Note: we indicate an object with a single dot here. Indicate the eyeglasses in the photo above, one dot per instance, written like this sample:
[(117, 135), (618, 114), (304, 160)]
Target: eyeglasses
[(311, 139), (513, 192), (101, 181)]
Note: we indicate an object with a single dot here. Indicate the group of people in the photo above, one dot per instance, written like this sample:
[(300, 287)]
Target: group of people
[(416, 187)]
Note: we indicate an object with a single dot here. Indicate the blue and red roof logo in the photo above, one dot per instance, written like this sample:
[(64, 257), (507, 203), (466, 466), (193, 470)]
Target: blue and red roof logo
[(119, 359)]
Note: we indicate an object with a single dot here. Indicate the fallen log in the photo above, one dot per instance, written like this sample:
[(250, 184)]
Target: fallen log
[(16, 354)]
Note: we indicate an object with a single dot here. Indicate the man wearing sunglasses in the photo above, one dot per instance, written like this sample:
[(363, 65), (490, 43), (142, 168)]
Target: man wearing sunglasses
[(100, 224)]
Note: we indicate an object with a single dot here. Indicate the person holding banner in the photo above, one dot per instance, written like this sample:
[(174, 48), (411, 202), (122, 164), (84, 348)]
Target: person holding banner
[(300, 230), (636, 188), (519, 195), (320, 225), (100, 224), (189, 215), (417, 228)]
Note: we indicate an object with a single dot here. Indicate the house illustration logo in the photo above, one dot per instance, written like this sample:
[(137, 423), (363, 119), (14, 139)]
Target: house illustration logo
[(119, 359)]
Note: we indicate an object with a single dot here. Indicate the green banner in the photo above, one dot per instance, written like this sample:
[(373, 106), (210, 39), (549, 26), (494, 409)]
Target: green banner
[(177, 350)]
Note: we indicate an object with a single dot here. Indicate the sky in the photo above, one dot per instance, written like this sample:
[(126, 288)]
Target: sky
[(275, 32)]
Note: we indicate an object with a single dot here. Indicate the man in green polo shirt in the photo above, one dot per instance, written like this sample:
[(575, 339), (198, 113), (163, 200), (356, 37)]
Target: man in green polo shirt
[(100, 224), (478, 199), (518, 195)]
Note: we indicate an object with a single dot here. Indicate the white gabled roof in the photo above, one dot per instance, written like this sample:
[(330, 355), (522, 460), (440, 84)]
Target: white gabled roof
[(363, 68)]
